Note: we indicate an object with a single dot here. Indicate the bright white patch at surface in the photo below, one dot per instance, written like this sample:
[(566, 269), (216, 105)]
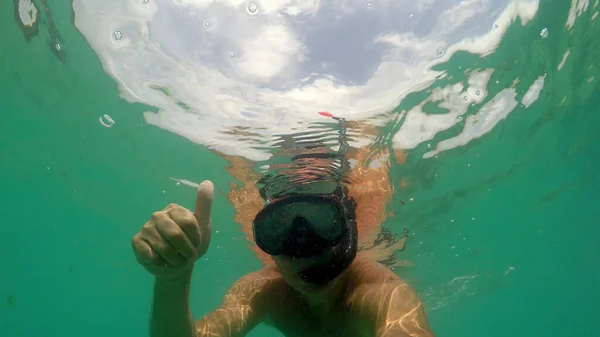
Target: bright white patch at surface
[(534, 92), (578, 7), (420, 127), (564, 59), (210, 66), (27, 12), (481, 123)]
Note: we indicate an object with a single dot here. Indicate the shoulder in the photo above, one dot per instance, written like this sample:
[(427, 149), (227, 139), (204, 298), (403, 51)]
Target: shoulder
[(371, 283), (253, 287), (390, 305), (365, 271)]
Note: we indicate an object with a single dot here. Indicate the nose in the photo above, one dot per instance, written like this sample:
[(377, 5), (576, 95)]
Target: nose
[(300, 224)]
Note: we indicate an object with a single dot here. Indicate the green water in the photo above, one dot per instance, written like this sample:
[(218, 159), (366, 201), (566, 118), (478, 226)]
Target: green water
[(506, 228)]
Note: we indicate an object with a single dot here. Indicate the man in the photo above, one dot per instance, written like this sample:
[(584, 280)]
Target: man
[(317, 286), (371, 189)]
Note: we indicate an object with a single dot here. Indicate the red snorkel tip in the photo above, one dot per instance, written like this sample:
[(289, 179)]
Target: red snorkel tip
[(326, 114)]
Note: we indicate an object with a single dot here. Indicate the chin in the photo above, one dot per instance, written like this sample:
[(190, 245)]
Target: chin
[(310, 289), (306, 288)]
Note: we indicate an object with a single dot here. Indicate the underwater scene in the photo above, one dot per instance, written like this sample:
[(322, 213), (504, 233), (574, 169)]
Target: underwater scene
[(462, 136)]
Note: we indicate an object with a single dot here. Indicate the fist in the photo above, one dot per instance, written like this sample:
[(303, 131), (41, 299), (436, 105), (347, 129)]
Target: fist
[(173, 239)]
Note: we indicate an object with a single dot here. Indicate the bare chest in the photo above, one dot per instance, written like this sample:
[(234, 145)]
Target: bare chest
[(296, 321)]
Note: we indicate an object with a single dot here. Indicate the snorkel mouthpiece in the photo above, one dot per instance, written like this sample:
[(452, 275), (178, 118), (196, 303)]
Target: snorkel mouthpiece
[(343, 255)]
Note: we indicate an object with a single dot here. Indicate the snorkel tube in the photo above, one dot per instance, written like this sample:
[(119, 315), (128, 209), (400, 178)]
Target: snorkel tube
[(345, 252)]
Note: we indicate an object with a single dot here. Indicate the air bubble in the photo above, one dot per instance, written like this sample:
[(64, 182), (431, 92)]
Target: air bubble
[(57, 47), (145, 1), (369, 4), (439, 51), (178, 183), (429, 146), (232, 54), (207, 24), (252, 8), (460, 118), (412, 199), (477, 93), (496, 26), (118, 35), (465, 98), (107, 121), (544, 33)]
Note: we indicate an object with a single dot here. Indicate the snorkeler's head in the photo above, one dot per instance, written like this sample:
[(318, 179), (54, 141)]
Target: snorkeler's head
[(312, 238)]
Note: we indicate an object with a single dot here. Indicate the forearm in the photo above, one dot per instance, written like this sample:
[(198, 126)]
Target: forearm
[(171, 314)]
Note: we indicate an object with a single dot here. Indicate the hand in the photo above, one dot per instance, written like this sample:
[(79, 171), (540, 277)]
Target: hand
[(170, 243)]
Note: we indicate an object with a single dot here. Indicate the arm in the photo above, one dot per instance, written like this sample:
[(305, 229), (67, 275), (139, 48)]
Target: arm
[(237, 315), (392, 308), (241, 309), (171, 315)]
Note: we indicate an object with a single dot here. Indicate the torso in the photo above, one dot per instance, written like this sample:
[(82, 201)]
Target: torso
[(287, 312), (294, 320)]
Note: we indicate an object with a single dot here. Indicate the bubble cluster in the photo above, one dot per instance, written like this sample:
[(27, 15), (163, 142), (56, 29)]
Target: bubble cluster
[(544, 33), (118, 35), (106, 121), (252, 8)]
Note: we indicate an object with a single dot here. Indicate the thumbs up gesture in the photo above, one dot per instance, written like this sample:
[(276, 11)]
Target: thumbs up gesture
[(174, 238)]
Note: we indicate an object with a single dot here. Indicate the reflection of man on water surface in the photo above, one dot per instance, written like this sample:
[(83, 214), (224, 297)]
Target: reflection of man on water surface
[(315, 282)]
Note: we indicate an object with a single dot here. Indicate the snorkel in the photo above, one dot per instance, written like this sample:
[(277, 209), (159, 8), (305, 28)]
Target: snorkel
[(299, 225), (343, 253)]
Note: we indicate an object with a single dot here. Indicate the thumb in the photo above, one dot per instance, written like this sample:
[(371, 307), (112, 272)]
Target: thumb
[(204, 199)]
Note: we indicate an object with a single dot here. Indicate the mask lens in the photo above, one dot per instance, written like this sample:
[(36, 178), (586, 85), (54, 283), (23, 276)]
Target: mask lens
[(274, 223), (270, 230), (326, 219)]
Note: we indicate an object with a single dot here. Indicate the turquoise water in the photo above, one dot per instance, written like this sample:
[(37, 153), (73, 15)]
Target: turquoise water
[(504, 228)]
